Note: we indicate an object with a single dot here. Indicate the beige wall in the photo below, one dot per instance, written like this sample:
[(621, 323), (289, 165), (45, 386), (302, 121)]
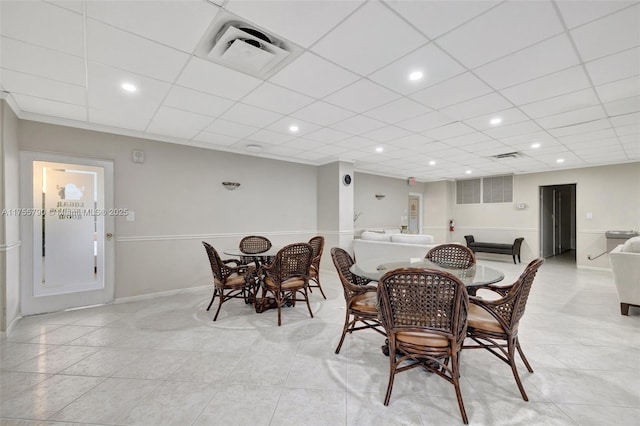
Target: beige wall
[(9, 225), (610, 193), (178, 201), (388, 212)]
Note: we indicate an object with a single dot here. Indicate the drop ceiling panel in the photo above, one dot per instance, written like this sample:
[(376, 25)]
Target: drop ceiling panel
[(178, 24), (482, 105), (361, 96), (544, 58), (178, 123), (50, 107), (31, 85), (327, 135), (43, 24), (580, 128), (198, 102), (615, 67), (611, 34), (271, 137), (322, 113), (563, 103), (275, 98), (398, 110), (357, 124), (437, 17), (43, 62), (72, 5), (449, 131), (313, 76), (123, 50), (435, 64), (508, 117), (619, 89), (425, 122), (250, 115), (577, 13), (359, 45), (284, 123), (461, 88), (217, 80), (302, 21), (623, 106), (561, 82), (521, 128), (216, 139), (505, 29), (303, 144), (119, 119), (229, 128), (579, 116), (106, 94), (386, 133)]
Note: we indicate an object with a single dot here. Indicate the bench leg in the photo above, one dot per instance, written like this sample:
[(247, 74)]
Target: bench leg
[(514, 259)]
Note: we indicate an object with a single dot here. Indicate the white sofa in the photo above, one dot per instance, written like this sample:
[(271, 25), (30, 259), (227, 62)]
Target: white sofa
[(625, 264), (377, 245)]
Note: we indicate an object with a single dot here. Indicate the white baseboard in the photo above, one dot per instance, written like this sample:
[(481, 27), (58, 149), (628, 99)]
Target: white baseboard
[(160, 294), (7, 332)]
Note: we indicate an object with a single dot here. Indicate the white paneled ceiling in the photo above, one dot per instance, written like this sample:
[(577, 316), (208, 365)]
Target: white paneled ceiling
[(561, 74)]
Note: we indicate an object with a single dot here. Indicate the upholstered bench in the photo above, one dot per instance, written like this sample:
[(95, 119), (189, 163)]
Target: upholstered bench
[(499, 248)]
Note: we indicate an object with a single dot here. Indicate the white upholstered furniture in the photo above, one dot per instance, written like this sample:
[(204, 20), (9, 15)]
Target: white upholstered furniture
[(376, 245), (625, 264)]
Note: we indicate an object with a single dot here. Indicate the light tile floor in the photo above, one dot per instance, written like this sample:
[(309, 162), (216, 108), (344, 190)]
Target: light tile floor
[(164, 362)]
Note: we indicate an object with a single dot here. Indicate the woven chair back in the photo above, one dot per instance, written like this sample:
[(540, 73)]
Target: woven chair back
[(291, 261), (218, 268), (254, 244), (415, 298), (453, 255)]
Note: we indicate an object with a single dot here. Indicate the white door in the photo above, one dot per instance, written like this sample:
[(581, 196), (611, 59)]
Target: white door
[(415, 214), (67, 232)]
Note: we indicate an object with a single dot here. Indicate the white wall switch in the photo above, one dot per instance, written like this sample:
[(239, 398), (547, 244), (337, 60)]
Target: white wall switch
[(131, 216)]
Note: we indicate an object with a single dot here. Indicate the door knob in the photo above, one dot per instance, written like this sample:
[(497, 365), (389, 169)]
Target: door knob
[(109, 235)]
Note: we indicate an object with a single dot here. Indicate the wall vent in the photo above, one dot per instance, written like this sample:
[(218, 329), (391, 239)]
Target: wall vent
[(515, 154), (244, 47)]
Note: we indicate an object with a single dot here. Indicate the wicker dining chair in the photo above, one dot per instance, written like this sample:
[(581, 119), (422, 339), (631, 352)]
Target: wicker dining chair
[(317, 243), (287, 276), (253, 244), (424, 313), (360, 298), (452, 255), (493, 324), (229, 282)]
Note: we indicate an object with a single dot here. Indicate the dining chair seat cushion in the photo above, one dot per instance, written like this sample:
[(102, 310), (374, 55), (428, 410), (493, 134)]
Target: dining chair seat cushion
[(290, 284), (422, 338), (365, 302), (480, 319), (233, 281)]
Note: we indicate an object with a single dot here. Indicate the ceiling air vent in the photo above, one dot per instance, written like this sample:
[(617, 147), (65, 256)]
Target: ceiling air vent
[(514, 154), (247, 49)]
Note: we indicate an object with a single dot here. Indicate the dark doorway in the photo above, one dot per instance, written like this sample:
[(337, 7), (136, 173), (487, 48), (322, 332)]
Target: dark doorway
[(558, 220)]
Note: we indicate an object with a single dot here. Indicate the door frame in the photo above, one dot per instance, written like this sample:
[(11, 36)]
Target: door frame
[(29, 304), (420, 210)]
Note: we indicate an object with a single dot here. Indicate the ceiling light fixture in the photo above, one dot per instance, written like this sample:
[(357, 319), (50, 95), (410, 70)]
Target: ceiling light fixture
[(254, 148), (416, 75), (560, 160), (128, 87), (379, 149), (432, 163), (535, 145), (293, 128), (468, 172), (495, 121)]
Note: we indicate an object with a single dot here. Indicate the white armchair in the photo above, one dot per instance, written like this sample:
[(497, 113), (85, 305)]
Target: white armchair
[(625, 264)]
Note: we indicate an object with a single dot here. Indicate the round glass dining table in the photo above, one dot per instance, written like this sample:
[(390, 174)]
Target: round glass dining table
[(477, 275)]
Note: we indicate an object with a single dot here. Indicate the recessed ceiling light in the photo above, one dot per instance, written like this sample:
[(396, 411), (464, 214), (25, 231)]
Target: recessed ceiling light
[(535, 145), (468, 172), (254, 148), (560, 160), (128, 87), (379, 149), (432, 163), (495, 121), (293, 128), (416, 75)]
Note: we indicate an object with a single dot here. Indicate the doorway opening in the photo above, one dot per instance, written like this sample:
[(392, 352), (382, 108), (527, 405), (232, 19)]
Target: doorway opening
[(558, 222)]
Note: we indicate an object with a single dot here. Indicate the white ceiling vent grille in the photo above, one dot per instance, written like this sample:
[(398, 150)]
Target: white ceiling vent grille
[(515, 154), (245, 47)]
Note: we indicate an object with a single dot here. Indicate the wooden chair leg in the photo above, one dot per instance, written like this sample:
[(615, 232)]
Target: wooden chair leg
[(221, 300), (306, 298), (392, 372), (455, 369), (215, 290), (344, 330), (512, 362), (524, 359)]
